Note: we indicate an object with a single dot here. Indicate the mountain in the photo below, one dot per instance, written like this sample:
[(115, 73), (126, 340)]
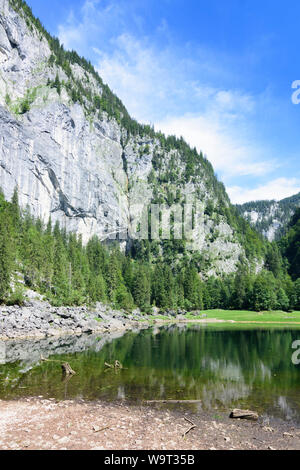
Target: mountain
[(290, 246), (69, 145), (270, 218)]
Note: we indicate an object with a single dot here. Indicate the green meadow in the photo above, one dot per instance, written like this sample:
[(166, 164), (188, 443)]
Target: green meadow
[(247, 316)]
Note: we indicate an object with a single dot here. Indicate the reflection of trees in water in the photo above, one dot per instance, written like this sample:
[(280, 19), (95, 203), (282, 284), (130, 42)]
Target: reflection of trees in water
[(216, 366), (224, 369), (223, 393), (288, 411)]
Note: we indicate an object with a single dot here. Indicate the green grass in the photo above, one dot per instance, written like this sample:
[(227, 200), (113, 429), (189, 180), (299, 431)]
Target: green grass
[(99, 320), (243, 315), (159, 317)]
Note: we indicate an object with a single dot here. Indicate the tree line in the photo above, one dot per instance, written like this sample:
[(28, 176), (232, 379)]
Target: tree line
[(66, 272)]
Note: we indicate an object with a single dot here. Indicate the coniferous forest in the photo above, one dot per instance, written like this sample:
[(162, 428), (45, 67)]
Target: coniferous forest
[(55, 263), (48, 259)]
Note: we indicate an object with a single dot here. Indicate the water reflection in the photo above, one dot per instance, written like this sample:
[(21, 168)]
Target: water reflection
[(221, 367)]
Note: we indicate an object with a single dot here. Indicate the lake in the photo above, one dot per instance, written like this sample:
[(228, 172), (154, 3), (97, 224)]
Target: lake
[(223, 366)]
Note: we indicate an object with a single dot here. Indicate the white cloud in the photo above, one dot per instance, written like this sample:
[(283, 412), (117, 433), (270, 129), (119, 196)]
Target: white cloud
[(152, 84), (234, 100), (141, 77), (230, 154), (92, 22), (277, 189), (155, 89), (161, 86), (155, 83)]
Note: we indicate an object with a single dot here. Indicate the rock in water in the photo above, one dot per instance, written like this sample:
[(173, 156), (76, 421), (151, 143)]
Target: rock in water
[(244, 414)]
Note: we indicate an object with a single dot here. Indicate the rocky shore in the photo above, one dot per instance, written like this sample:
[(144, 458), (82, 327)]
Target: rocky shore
[(38, 319)]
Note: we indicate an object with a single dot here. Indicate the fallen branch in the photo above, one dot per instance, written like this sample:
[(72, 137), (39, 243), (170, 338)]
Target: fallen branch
[(67, 369), (193, 426), (102, 429), (173, 401), (49, 360), (189, 421), (117, 365)]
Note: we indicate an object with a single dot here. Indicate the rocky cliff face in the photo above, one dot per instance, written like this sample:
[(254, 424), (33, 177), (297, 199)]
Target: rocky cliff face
[(79, 165), (270, 218), (64, 166)]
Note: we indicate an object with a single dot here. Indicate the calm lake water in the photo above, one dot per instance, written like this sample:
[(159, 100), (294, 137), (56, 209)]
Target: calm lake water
[(221, 366)]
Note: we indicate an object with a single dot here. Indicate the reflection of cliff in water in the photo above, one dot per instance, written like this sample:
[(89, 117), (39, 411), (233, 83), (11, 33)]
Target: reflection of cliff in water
[(29, 352), (221, 367)]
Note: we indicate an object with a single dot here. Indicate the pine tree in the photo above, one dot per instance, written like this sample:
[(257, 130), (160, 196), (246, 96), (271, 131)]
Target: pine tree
[(48, 248), (264, 294), (57, 84), (141, 288), (282, 302), (6, 254), (123, 298), (296, 295), (113, 276)]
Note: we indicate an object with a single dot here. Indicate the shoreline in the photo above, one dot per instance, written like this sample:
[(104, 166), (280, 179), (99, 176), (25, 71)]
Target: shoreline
[(38, 319), (40, 424), (31, 423)]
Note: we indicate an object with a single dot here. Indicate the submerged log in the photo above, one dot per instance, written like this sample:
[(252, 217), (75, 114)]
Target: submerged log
[(244, 414), (110, 366), (67, 369), (174, 401), (117, 365)]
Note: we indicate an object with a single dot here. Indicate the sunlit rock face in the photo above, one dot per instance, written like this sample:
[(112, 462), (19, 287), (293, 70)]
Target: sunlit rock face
[(64, 165), (270, 218), (63, 169), (86, 172)]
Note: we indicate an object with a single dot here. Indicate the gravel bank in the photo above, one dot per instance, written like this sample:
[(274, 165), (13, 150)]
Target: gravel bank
[(47, 424)]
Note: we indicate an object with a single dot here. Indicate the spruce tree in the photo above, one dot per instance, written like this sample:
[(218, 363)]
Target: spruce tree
[(141, 288), (6, 254)]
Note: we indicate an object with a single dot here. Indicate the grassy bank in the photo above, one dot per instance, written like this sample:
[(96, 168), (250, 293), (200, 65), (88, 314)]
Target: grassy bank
[(247, 316)]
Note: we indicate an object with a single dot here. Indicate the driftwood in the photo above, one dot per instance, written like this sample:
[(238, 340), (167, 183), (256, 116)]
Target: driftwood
[(117, 365), (67, 369), (193, 426), (97, 429), (173, 401), (244, 414)]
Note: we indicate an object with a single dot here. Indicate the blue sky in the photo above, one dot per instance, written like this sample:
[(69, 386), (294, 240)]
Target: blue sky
[(219, 73)]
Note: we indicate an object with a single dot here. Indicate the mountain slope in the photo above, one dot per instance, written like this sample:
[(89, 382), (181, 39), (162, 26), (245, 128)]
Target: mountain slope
[(290, 245), (75, 154), (270, 218)]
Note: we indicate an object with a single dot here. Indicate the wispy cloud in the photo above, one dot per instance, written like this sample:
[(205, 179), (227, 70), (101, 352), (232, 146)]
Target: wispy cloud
[(277, 189), (153, 86), (177, 91), (230, 154), (92, 24), (148, 81)]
